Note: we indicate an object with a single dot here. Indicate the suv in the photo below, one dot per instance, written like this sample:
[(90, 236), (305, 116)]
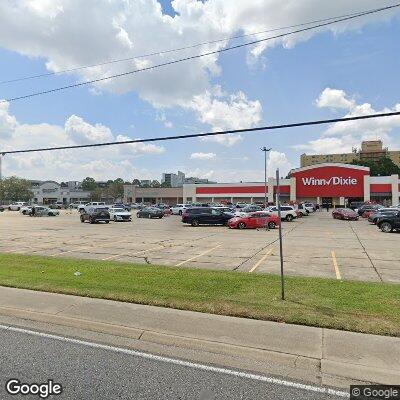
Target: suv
[(368, 207), (205, 216), (288, 213), (95, 214), (84, 207), (389, 223), (16, 206), (180, 208)]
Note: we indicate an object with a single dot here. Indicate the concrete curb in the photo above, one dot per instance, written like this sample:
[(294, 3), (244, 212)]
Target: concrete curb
[(313, 354)]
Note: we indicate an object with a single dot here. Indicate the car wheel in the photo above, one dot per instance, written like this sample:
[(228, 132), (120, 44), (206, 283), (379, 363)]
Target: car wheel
[(9, 208), (82, 219), (289, 217), (386, 227), (195, 222), (271, 225), (107, 222), (91, 220), (115, 219), (24, 212), (50, 214), (18, 208), (160, 217), (241, 225)]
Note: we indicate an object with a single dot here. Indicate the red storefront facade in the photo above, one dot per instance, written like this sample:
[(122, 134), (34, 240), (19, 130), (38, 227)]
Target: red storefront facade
[(336, 183)]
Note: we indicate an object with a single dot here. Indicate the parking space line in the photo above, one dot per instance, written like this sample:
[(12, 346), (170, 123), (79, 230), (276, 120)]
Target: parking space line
[(336, 266), (199, 255), (258, 263)]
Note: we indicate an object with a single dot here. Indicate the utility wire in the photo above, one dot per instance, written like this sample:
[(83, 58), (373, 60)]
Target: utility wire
[(194, 57), (196, 135), (161, 52)]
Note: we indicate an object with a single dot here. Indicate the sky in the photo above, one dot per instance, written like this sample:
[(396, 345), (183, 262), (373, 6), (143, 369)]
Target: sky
[(350, 68)]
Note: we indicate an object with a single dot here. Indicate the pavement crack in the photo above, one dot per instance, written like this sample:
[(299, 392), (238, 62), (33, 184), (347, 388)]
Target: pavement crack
[(365, 251)]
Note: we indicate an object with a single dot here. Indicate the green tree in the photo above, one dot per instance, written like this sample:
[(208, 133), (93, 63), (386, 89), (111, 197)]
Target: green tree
[(136, 182), (89, 184), (15, 189), (116, 190), (384, 167), (155, 184), (165, 184), (96, 194)]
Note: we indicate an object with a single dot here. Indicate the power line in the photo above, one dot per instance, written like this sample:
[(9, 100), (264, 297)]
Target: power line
[(161, 52), (206, 134), (194, 57)]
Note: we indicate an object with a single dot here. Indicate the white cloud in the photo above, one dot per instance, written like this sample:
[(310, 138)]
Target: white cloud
[(202, 156), (225, 113), (344, 136), (8, 123), (101, 163), (276, 160), (334, 98), (67, 34)]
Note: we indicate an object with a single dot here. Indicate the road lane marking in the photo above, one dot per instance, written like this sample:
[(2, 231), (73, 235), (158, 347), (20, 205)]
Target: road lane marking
[(336, 266), (199, 255), (188, 364), (257, 264)]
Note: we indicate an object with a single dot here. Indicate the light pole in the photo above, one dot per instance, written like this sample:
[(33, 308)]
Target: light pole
[(265, 150)]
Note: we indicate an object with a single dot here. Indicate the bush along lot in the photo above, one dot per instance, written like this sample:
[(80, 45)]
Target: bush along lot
[(346, 305)]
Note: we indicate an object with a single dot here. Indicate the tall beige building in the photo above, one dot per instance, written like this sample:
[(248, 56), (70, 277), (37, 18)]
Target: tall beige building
[(370, 150)]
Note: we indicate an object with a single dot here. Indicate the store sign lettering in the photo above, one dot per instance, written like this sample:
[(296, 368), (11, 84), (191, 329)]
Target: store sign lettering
[(334, 181)]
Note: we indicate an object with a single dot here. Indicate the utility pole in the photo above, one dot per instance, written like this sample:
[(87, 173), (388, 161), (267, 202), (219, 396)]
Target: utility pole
[(278, 204), (1, 160), (265, 150)]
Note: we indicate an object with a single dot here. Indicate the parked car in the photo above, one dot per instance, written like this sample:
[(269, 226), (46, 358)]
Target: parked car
[(86, 206), (345, 213), (77, 204), (56, 206), (288, 213), (259, 219), (25, 210), (205, 216), (355, 205), (17, 206), (180, 208), (375, 216), (42, 211), (310, 207), (302, 210), (2, 208), (150, 212), (368, 207), (95, 215), (119, 214), (389, 223)]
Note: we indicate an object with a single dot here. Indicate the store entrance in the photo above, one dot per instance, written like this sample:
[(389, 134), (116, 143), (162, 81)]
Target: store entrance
[(49, 200)]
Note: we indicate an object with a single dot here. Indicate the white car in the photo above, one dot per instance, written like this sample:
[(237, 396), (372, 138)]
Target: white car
[(310, 207), (180, 208), (77, 204), (119, 214), (25, 210), (17, 206), (288, 213)]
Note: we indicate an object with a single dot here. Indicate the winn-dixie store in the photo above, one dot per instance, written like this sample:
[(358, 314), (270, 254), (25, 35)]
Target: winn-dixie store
[(322, 183)]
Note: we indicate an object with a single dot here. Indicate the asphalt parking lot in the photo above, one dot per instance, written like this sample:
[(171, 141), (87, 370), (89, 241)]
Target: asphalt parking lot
[(316, 245)]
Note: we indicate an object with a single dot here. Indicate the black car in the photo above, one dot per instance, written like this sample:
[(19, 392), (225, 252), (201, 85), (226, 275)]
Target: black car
[(356, 204), (150, 212), (389, 223), (368, 207), (95, 214), (206, 216), (373, 218)]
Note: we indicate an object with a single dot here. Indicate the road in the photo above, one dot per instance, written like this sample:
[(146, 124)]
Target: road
[(91, 371)]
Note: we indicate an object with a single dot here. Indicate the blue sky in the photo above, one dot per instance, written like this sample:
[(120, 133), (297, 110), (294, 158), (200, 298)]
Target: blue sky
[(361, 63)]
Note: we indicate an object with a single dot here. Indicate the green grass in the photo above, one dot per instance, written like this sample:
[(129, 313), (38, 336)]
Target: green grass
[(346, 305)]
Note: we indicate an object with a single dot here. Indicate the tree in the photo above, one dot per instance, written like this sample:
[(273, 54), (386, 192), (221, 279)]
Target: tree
[(89, 184), (165, 184), (96, 194), (155, 184), (116, 190), (15, 189), (384, 167), (136, 182), (119, 180)]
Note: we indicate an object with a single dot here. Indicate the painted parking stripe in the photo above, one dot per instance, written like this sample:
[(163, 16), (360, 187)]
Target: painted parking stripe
[(335, 265), (198, 256), (183, 363), (258, 263)]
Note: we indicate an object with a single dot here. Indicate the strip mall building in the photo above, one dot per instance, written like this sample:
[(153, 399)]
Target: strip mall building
[(322, 183)]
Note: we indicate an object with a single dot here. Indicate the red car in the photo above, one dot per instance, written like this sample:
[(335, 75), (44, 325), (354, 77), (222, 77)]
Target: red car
[(258, 219), (345, 213)]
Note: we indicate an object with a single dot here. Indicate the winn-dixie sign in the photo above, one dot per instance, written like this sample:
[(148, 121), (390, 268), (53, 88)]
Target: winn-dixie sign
[(334, 181)]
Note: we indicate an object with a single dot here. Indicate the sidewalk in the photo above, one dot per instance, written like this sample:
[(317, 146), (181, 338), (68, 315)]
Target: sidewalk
[(313, 354)]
